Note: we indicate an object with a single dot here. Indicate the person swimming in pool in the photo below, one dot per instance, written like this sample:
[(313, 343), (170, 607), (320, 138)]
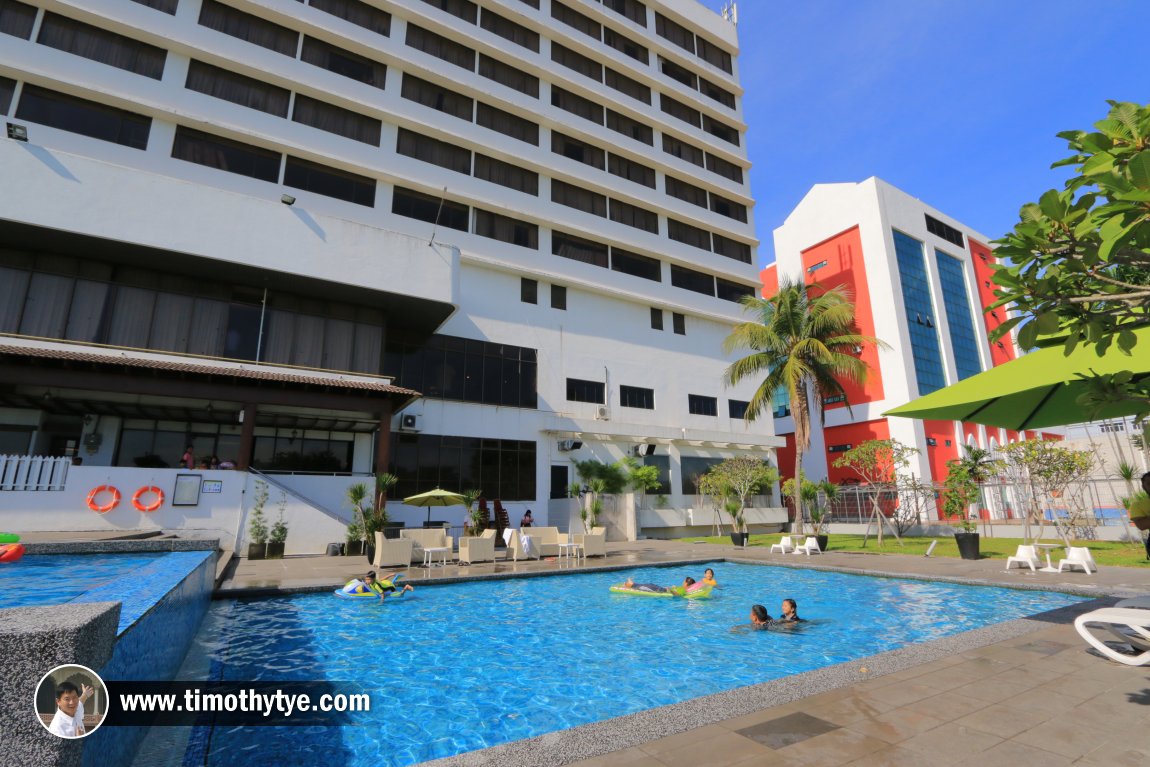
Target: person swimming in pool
[(709, 578), (760, 618), (654, 588), (790, 614), (386, 586)]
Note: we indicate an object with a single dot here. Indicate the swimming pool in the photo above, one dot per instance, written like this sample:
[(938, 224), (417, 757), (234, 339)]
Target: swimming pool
[(465, 666), (52, 579)]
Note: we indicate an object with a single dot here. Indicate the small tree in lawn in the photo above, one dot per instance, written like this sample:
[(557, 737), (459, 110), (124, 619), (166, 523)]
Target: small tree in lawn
[(1048, 470), (917, 500), (734, 481), (879, 463)]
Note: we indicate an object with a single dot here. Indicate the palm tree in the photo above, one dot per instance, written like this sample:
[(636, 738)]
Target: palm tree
[(802, 342)]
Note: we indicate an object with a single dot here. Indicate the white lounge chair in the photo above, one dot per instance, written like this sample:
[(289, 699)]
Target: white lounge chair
[(810, 546), (1135, 630), (1078, 556), (1025, 555), (784, 546)]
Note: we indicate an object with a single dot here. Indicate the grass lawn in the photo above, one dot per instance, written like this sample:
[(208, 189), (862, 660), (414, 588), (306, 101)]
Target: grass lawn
[(1104, 552)]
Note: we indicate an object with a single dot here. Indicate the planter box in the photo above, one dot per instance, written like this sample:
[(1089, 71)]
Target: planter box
[(739, 539), (823, 541), (257, 550), (276, 550), (967, 545), (353, 549)]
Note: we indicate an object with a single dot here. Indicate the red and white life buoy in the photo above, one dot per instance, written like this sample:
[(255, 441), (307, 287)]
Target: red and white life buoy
[(104, 508), (146, 507)]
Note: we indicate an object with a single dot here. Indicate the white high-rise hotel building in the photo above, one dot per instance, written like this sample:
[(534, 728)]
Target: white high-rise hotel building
[(231, 223)]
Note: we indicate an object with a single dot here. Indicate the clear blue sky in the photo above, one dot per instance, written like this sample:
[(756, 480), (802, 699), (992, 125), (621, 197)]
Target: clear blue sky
[(956, 102)]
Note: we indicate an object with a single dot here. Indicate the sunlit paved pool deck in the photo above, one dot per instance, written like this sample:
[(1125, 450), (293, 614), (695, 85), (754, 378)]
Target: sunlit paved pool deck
[(1024, 692)]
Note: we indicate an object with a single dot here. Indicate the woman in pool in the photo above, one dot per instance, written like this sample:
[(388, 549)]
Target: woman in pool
[(760, 619), (655, 589), (709, 578), (790, 614)]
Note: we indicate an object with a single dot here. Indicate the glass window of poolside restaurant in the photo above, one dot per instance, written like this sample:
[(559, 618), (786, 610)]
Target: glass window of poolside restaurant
[(504, 468), (464, 369)]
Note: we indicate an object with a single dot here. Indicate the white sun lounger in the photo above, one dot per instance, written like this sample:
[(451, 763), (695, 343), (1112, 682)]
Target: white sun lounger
[(810, 546), (1130, 624), (784, 546), (1025, 555)]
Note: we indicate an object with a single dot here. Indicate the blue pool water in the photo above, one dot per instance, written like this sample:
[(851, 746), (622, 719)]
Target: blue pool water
[(52, 579), (464, 666)]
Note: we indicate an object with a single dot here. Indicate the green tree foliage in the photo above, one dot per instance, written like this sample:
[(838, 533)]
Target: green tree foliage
[(370, 508), (882, 464), (959, 491), (257, 523), (802, 343), (1048, 471), (732, 483), (1078, 262), (816, 498)]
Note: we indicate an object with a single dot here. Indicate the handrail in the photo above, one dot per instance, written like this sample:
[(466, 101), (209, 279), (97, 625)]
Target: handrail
[(300, 496)]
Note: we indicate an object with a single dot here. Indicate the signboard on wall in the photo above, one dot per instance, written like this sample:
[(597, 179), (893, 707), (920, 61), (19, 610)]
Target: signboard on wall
[(187, 492)]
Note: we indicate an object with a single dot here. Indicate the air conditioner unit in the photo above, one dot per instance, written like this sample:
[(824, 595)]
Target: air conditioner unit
[(567, 445), (410, 422), (603, 413)]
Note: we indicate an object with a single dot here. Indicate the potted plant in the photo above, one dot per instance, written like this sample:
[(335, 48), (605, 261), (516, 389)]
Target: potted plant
[(278, 539), (959, 491), (739, 534), (354, 545), (475, 516), (731, 483), (371, 512), (257, 525)]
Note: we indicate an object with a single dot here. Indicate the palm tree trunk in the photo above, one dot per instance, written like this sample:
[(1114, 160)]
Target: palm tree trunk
[(798, 527)]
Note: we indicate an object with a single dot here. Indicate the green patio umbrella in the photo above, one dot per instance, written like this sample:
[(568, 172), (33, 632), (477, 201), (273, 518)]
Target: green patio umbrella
[(1037, 390), (435, 497)]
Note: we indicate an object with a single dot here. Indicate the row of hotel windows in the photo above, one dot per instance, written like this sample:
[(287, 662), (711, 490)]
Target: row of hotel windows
[(594, 392), (529, 294), (125, 53)]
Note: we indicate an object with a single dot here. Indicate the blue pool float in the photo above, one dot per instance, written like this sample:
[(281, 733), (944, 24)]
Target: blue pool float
[(356, 589)]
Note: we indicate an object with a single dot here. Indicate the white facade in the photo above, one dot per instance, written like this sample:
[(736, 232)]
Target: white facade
[(189, 211)]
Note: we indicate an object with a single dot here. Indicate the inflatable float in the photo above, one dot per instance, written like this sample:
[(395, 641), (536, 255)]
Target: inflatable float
[(10, 548), (357, 589), (698, 591)]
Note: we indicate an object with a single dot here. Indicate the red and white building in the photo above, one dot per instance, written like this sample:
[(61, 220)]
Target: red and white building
[(921, 282)]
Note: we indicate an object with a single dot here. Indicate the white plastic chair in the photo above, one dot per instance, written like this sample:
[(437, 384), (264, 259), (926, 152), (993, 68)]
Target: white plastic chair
[(810, 546), (1026, 555), (784, 546), (1078, 556)]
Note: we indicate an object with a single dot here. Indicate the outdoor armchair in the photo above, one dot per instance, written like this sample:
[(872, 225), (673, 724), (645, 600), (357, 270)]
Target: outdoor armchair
[(594, 543), (479, 548), (1025, 555), (391, 552), (430, 538)]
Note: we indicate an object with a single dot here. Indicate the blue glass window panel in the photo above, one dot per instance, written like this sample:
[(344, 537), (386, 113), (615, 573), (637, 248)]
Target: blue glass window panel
[(956, 299), (919, 313)]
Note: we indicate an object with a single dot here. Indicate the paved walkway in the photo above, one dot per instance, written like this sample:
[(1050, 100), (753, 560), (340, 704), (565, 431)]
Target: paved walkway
[(1036, 697)]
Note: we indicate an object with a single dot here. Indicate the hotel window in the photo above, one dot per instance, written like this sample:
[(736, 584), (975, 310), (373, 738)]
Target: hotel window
[(737, 408), (728, 208), (345, 63), (689, 279), (506, 229), (17, 19), (945, 231), (687, 192), (682, 150), (436, 97), (423, 147), (676, 33), (357, 12), (88, 118), (632, 9), (425, 207), (509, 30), (576, 105), (732, 291), (724, 168), (245, 26), (506, 174), (631, 170), (577, 150), (333, 119), (224, 154), (637, 397), (626, 85), (578, 249), (636, 265), (626, 46), (559, 297), (7, 88), (100, 45), (721, 130), (507, 124), (585, 66), (680, 110), (464, 9), (439, 46), (919, 313), (712, 91), (579, 390), (679, 324), (504, 468), (697, 404), (714, 55), (956, 301), (528, 291), (580, 199), (330, 182), (494, 69), (576, 20), (656, 318), (628, 127), (533, 3), (633, 215), (691, 235), (725, 246), (238, 89), (679, 73)]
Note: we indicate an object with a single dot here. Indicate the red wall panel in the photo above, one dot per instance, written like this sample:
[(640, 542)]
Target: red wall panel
[(1003, 350), (770, 279), (852, 434)]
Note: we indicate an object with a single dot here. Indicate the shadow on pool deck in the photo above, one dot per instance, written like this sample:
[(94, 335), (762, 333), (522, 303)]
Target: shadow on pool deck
[(1025, 692)]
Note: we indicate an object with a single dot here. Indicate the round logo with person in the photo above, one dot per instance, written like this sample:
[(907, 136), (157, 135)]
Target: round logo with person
[(71, 701)]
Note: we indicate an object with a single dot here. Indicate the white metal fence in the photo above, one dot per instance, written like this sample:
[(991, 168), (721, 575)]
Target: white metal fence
[(33, 472)]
